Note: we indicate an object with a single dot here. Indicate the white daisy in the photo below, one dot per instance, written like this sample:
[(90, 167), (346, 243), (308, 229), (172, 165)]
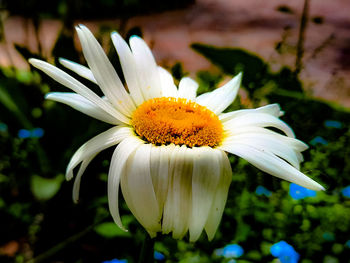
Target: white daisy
[(170, 158)]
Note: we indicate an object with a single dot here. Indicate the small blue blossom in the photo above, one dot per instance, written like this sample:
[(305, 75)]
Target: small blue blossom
[(158, 256), (34, 133), (333, 124), (318, 140), (298, 192), (260, 190), (116, 261), (3, 127), (232, 251), (284, 252), (346, 191)]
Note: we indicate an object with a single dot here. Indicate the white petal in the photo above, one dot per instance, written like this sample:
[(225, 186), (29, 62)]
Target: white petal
[(220, 197), (104, 72), (169, 89), (83, 105), (169, 212), (95, 145), (159, 171), (116, 169), (181, 190), (71, 83), (271, 164), (128, 64), (147, 68), (258, 120), (268, 143), (138, 189), (205, 179), (82, 168), (79, 69), (272, 109), (219, 99), (188, 88)]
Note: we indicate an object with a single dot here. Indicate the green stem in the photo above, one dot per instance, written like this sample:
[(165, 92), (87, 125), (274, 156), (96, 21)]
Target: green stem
[(301, 38), (147, 250)]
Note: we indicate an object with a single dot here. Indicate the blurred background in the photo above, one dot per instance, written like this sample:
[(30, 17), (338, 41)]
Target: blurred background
[(295, 53)]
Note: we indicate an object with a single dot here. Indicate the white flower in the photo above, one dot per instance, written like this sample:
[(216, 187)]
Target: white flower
[(170, 158)]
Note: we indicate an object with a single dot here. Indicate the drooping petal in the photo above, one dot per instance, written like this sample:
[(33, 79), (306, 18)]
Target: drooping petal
[(188, 88), (271, 164), (219, 99), (104, 72), (220, 197), (258, 120), (205, 180), (147, 68), (78, 69), (83, 105), (138, 189), (116, 170), (95, 145), (268, 143), (169, 88), (128, 64), (71, 83), (159, 171), (272, 109), (181, 191)]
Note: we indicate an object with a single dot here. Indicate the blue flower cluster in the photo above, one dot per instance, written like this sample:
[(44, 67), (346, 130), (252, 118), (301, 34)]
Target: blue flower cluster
[(284, 252), (333, 124), (116, 261), (298, 192), (260, 190), (34, 133), (346, 191), (158, 256), (230, 251)]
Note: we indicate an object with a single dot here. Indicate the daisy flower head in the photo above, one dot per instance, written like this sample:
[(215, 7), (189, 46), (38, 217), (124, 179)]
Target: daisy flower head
[(170, 159)]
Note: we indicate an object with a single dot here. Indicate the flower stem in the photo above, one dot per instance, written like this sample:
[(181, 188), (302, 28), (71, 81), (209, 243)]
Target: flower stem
[(147, 250)]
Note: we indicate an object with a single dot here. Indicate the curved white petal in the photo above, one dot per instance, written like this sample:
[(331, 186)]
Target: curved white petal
[(188, 88), (147, 68), (95, 145), (258, 120), (116, 170), (268, 143), (218, 100), (71, 83), (104, 72), (128, 64), (181, 192), (82, 168), (83, 105), (272, 109), (79, 69), (205, 180), (138, 190), (169, 89), (220, 197), (271, 164)]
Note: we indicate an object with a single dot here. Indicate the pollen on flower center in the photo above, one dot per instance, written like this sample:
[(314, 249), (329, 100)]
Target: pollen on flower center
[(168, 120)]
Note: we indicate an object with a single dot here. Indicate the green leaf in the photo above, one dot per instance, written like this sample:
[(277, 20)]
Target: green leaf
[(45, 188), (110, 230)]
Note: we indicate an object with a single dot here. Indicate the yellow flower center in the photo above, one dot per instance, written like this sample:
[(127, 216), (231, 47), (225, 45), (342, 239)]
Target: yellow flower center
[(164, 121)]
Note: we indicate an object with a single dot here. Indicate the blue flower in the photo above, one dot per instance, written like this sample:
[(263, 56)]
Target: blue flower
[(347, 243), (260, 190), (346, 191), (232, 251), (158, 256), (333, 124), (116, 261), (284, 252), (34, 133), (318, 140), (298, 192)]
